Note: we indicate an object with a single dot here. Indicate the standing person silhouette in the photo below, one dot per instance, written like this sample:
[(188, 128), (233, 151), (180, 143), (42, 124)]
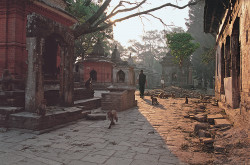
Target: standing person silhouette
[(142, 83), (162, 83)]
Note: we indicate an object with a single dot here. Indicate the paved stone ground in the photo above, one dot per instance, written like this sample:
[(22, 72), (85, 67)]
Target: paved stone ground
[(132, 141)]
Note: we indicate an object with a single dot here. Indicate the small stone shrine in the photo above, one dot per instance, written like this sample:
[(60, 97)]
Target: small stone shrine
[(98, 67), (123, 71)]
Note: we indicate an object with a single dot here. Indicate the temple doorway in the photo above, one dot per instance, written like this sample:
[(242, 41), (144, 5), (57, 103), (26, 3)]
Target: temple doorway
[(51, 57), (93, 75), (120, 76)]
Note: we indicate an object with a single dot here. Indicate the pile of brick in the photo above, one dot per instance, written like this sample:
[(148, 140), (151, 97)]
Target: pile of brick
[(176, 91), (208, 126)]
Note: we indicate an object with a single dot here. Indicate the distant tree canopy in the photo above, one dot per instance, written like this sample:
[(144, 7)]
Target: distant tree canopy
[(203, 59), (181, 46)]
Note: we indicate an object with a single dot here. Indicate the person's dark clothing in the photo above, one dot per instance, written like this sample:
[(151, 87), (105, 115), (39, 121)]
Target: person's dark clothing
[(88, 84), (142, 82)]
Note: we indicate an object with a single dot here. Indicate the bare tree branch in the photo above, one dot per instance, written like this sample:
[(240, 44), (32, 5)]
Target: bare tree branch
[(86, 28), (99, 12), (113, 13)]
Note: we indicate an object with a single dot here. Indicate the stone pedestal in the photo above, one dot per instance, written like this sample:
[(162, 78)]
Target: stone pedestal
[(120, 98)]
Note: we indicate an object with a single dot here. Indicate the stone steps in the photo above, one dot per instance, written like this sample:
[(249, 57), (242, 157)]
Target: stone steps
[(89, 104), (5, 112), (54, 116), (97, 114)]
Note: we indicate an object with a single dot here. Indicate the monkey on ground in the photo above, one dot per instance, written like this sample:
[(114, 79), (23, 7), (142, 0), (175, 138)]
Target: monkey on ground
[(154, 100), (112, 115)]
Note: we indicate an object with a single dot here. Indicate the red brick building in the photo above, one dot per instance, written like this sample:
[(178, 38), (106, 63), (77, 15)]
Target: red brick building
[(36, 45), (13, 18), (230, 21), (98, 66)]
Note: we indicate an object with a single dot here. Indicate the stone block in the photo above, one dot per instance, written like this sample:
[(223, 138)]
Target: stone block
[(200, 117), (210, 118), (221, 123), (207, 140), (99, 116), (219, 148)]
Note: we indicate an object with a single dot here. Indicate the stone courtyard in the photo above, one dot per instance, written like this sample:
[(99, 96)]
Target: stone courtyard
[(133, 141), (144, 135)]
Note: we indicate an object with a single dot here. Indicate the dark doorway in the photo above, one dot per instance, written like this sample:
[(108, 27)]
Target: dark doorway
[(236, 61), (50, 64), (93, 75), (227, 58), (121, 76), (222, 69)]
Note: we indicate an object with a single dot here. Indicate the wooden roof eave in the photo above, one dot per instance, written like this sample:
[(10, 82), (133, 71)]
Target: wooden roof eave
[(57, 11), (214, 11)]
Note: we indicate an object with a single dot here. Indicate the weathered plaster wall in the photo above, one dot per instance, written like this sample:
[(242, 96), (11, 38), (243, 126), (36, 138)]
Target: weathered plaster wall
[(245, 53), (242, 12)]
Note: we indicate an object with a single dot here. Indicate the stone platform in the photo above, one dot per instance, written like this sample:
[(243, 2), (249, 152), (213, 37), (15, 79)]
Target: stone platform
[(15, 117), (33, 121)]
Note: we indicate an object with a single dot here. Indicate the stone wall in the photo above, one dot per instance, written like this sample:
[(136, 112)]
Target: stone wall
[(245, 49), (232, 59)]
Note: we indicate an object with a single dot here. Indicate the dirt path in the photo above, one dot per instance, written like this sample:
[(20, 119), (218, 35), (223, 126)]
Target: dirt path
[(178, 132)]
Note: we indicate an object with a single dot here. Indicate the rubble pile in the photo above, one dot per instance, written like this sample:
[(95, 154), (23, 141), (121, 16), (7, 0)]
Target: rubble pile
[(177, 92), (209, 125)]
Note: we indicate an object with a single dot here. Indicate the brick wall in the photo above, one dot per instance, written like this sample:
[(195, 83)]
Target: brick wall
[(245, 53), (118, 100), (13, 18), (12, 36), (103, 69), (241, 11)]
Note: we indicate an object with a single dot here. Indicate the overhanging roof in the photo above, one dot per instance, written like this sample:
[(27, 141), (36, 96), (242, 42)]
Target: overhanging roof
[(214, 11)]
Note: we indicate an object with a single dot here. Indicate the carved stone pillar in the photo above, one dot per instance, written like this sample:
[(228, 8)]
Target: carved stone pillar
[(66, 81), (34, 92)]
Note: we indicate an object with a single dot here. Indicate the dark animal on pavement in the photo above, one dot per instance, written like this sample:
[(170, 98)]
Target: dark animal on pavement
[(154, 100), (112, 115)]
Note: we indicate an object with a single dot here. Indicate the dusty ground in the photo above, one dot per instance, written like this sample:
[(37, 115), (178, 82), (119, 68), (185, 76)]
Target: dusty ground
[(178, 132)]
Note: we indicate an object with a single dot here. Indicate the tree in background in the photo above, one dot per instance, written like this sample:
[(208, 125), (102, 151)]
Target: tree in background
[(82, 10), (152, 49), (181, 46), (94, 18), (203, 59), (100, 20)]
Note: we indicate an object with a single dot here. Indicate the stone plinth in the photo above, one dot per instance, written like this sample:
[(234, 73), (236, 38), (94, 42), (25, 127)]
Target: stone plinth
[(83, 93), (119, 98), (33, 121)]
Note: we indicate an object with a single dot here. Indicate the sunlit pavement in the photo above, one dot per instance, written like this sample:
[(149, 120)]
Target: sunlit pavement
[(132, 141)]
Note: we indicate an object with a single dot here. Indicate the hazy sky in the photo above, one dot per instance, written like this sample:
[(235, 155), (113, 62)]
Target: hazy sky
[(135, 27)]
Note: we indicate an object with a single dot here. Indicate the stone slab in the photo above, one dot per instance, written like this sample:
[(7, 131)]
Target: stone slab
[(221, 123), (33, 121), (210, 118), (98, 116), (9, 110)]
